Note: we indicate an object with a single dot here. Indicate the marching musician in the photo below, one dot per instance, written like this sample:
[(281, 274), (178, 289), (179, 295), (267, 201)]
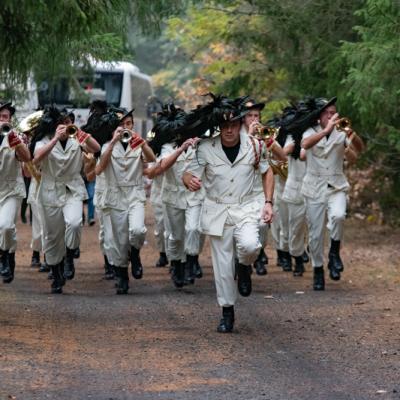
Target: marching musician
[(12, 189), (123, 199), (226, 166), (58, 151), (325, 186)]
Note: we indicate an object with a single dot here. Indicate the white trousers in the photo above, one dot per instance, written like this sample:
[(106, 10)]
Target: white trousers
[(37, 228), (183, 229), (8, 218), (159, 225), (297, 228), (123, 229), (223, 253), (333, 209), (61, 229), (280, 225)]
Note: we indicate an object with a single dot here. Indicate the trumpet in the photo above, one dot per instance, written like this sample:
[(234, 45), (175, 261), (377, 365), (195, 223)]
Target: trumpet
[(264, 132), (344, 124), (281, 169), (5, 129), (125, 135), (72, 131)]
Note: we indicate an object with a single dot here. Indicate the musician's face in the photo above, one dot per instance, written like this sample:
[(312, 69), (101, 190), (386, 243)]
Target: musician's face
[(5, 115), (250, 117), (127, 123), (326, 115), (230, 132)]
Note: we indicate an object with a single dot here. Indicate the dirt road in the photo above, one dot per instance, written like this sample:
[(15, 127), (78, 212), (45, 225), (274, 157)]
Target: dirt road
[(161, 343)]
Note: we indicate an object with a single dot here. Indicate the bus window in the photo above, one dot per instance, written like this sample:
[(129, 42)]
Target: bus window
[(141, 91)]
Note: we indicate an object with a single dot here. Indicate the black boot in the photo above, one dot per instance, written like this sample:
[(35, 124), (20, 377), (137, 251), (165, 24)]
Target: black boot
[(279, 259), (162, 261), (108, 269), (286, 261), (264, 257), (4, 264), (299, 266), (335, 262), (35, 262), (190, 273), (197, 268), (319, 280), (244, 279), (259, 264), (69, 267), (9, 277), (44, 266), (178, 273), (58, 277), (306, 257), (136, 265), (77, 252), (122, 280), (227, 320)]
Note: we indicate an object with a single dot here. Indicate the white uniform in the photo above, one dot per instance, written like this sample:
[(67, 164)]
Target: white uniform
[(324, 188), (37, 226), (122, 203), (182, 207), (295, 204), (158, 209), (259, 192), (280, 223), (231, 212), (60, 195), (12, 191)]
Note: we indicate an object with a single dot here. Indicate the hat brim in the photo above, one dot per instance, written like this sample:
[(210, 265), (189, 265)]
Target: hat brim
[(329, 103), (256, 106), (128, 114), (9, 107)]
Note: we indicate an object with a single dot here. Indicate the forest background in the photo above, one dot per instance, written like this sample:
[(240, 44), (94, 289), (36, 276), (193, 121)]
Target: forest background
[(275, 51)]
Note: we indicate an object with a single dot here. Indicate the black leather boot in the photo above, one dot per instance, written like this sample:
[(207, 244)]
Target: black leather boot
[(335, 262), (122, 280), (227, 320), (197, 268), (162, 261), (306, 257), (259, 264), (286, 261), (69, 267), (299, 266), (178, 273), (4, 264), (319, 280), (58, 278), (77, 252), (263, 256), (279, 258), (9, 277), (108, 269), (136, 265), (44, 266), (190, 273), (35, 262), (244, 279)]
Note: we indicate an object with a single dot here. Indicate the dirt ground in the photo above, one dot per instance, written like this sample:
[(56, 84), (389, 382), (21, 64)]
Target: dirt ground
[(161, 343)]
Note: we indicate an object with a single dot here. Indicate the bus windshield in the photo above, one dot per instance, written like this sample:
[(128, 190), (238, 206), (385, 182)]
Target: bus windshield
[(81, 91)]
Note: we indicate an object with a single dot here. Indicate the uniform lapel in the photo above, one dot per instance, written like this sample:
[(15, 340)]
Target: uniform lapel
[(244, 147)]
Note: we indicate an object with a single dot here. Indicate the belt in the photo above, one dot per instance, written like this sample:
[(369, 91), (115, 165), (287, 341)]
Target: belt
[(230, 200)]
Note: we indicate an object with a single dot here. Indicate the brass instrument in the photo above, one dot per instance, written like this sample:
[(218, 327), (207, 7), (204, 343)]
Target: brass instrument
[(5, 129), (344, 125), (353, 141), (265, 132), (125, 135), (30, 122), (280, 169), (72, 131)]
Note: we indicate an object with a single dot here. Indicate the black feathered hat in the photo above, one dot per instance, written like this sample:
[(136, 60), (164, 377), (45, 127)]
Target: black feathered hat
[(122, 112), (8, 106), (251, 104)]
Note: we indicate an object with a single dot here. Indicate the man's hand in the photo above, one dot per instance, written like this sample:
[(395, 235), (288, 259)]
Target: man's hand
[(331, 123), (253, 127), (189, 142), (116, 135), (81, 137), (136, 141), (61, 133), (194, 184), (13, 140), (267, 213)]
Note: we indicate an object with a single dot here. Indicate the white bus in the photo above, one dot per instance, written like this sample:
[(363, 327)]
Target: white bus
[(119, 83)]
